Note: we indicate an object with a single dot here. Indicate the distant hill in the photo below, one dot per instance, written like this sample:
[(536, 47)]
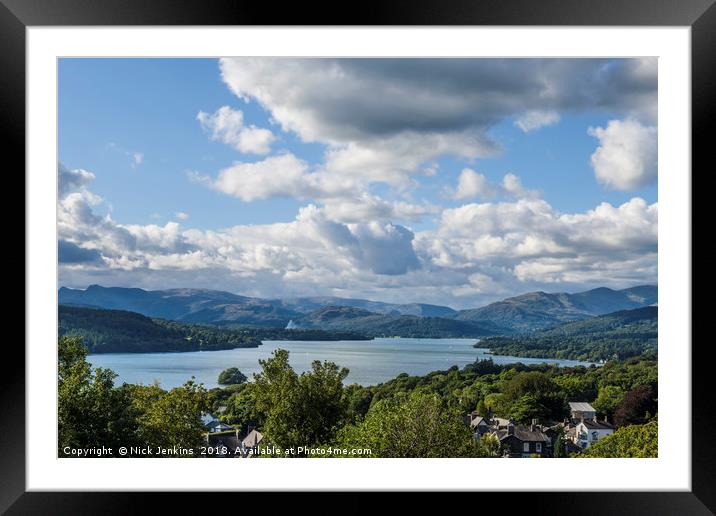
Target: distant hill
[(121, 331), (527, 312), (346, 318), (187, 305), (539, 310), (311, 304), (223, 308), (617, 335), (115, 331)]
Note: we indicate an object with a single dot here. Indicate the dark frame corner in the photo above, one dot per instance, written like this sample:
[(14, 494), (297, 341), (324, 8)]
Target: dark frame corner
[(700, 15)]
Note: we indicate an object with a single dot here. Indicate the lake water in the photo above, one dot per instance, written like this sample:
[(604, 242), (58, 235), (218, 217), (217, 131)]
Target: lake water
[(370, 361)]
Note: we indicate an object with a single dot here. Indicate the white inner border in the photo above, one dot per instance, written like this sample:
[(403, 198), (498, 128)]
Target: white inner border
[(671, 471)]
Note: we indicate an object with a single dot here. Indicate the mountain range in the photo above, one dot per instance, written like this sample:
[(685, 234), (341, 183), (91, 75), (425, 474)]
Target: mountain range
[(539, 310), (527, 312), (617, 335)]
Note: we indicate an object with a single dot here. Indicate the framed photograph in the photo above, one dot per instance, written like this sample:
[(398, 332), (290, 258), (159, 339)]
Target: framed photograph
[(423, 241)]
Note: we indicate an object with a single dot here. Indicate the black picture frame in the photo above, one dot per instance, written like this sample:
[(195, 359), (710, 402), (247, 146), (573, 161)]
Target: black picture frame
[(700, 15)]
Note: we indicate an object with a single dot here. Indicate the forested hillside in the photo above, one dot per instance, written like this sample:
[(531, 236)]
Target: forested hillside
[(115, 331), (343, 318), (121, 331), (618, 335), (541, 310)]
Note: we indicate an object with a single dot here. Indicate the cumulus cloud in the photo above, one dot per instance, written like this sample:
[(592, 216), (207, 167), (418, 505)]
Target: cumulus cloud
[(535, 119), (476, 253), (512, 185), (626, 158), (69, 180), (383, 119), (339, 100), (370, 207), (384, 124), (277, 176), (181, 215), (473, 185), (69, 253), (531, 242), (227, 125)]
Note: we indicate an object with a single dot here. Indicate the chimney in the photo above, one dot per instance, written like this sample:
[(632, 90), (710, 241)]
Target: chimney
[(533, 426), (606, 419), (510, 429), (596, 419)]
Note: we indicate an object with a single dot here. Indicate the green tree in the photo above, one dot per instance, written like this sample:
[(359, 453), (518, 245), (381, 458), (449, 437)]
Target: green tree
[(560, 448), (305, 410), (172, 418), (609, 398), (358, 400), (490, 445), (533, 394), (91, 412), (231, 376), (526, 408), (241, 409), (482, 409), (629, 441), (414, 425)]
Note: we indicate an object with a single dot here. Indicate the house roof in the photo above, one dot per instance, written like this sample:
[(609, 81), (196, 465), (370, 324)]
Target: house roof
[(524, 434), (597, 425), (207, 418), (501, 421), (477, 421), (580, 406), (253, 439), (218, 424)]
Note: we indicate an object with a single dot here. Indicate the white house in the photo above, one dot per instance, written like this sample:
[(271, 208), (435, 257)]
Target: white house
[(588, 431), (581, 410)]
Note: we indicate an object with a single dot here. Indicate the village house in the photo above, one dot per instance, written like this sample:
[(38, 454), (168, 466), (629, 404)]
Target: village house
[(213, 425), (581, 410), (478, 424), (524, 441), (533, 440), (251, 442), (588, 431), (583, 428), (223, 445)]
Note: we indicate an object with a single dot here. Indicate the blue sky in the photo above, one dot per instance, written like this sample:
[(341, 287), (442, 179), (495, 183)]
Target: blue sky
[(205, 173)]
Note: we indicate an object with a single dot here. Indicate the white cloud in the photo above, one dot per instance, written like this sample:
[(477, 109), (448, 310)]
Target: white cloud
[(342, 100), (384, 119), (70, 180), (626, 158), (535, 119), (387, 122), (137, 158), (477, 252), (472, 185), (227, 125), (512, 186), (277, 176), (254, 140), (528, 243), (369, 207), (181, 215)]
